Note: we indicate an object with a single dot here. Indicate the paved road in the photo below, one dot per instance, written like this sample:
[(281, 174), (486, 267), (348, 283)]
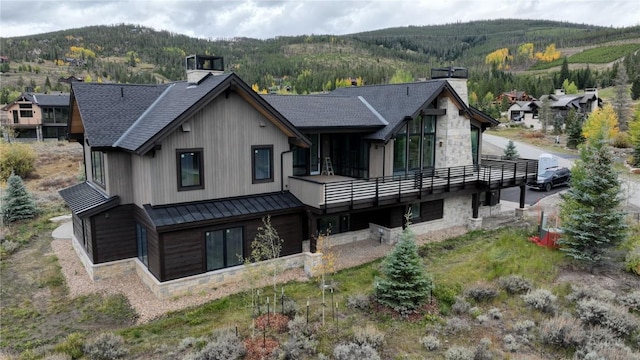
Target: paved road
[(630, 188)]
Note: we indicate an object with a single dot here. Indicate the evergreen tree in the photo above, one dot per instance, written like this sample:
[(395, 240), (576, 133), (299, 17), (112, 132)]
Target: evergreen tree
[(17, 203), (622, 100), (545, 115), (510, 152), (574, 129), (564, 70), (591, 218), (634, 131), (405, 286), (635, 88)]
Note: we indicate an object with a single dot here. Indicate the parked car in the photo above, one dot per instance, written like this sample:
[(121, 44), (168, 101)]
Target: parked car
[(552, 177)]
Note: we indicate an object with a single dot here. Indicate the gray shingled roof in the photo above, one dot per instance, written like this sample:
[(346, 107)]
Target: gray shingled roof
[(395, 102), (108, 110), (85, 200), (220, 209), (177, 98), (60, 99), (317, 111)]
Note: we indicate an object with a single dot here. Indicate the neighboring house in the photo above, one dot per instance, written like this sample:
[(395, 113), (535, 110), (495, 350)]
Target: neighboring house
[(36, 116), (525, 112), (585, 103), (515, 95), (70, 79), (180, 175), (4, 59)]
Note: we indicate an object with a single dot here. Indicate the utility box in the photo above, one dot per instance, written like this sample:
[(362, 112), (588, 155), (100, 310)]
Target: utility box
[(546, 161)]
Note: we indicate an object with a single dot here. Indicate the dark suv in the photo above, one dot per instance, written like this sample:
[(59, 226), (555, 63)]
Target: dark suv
[(552, 177)]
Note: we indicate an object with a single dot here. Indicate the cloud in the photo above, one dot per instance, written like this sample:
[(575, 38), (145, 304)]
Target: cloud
[(269, 18)]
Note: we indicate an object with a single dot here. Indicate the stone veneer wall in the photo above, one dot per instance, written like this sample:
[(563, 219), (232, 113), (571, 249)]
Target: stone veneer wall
[(453, 131)]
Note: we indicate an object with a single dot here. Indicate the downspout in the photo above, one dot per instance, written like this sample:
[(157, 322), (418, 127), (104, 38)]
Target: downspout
[(282, 167), (384, 157)]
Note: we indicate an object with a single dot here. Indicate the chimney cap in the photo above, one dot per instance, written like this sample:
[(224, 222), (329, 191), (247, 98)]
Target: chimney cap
[(450, 72), (204, 62)]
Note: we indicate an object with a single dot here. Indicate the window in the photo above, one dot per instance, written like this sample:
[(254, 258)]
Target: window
[(141, 240), (262, 163), (334, 224), (26, 113), (414, 145), (415, 210), (190, 169), (97, 167), (224, 248)]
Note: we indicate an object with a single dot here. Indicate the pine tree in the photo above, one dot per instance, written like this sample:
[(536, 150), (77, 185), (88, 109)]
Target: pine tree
[(622, 100), (17, 203), (635, 88), (405, 285), (574, 129), (510, 152), (591, 219)]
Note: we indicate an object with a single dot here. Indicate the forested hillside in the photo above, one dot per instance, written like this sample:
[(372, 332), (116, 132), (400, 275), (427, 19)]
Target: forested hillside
[(498, 53)]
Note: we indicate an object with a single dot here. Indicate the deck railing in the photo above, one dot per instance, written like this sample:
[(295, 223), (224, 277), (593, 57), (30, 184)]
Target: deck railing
[(492, 174)]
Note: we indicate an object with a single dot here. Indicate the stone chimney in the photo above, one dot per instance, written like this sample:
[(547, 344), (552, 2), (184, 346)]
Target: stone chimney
[(199, 66), (457, 78)]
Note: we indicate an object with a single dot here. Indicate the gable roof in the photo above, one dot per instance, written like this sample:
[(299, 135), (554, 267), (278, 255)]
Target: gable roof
[(55, 99), (322, 111), (136, 117)]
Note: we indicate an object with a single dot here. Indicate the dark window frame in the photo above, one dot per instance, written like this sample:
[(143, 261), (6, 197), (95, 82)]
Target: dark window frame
[(26, 113), (98, 177), (142, 244), (179, 153), (254, 149), (227, 263)]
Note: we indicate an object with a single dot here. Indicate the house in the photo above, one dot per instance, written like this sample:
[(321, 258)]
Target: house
[(179, 176), (4, 59), (515, 95), (585, 103), (526, 112), (69, 79), (38, 116)]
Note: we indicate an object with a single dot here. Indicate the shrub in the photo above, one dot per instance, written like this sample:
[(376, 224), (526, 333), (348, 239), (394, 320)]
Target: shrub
[(224, 345), (359, 302), (482, 350), (16, 158), (622, 140), (369, 335), (302, 340), (482, 318), (446, 296), (56, 356), (495, 313), (540, 299), (72, 346), (631, 300), (459, 353), (289, 307), (430, 342), (580, 292), (601, 343), (510, 343), (106, 346), (597, 312), (632, 261), (456, 325), (481, 293), (522, 327), (562, 331), (514, 284), (461, 306), (353, 351)]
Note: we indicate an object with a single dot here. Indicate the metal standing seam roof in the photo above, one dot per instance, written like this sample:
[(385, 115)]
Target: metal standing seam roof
[(220, 209), (85, 200)]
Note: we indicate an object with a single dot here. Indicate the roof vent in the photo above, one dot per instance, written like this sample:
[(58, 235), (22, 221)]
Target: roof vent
[(199, 66), (450, 72)]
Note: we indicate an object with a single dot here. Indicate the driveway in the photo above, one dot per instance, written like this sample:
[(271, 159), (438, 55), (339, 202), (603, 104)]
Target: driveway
[(630, 187)]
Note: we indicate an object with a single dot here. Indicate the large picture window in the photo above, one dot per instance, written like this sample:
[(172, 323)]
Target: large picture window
[(262, 163), (141, 240), (414, 145), (190, 169), (223, 248), (97, 167)]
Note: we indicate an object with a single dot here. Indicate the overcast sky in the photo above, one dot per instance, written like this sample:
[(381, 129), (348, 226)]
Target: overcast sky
[(270, 18)]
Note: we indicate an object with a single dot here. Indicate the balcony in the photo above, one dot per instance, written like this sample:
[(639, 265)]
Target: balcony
[(339, 193)]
